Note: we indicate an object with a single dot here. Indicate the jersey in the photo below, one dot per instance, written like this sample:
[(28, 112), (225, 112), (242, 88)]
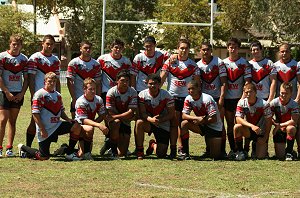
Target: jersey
[(144, 65), (49, 105), (211, 74), (39, 65), (261, 76), (287, 72), (237, 72), (12, 69), (179, 74), (121, 102), (282, 112), (158, 105), (204, 106), (87, 109), (110, 68), (78, 70), (255, 114)]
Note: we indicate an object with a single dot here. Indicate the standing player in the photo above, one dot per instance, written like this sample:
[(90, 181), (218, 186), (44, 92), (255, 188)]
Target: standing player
[(39, 64), (206, 121), (253, 121), (79, 69), (47, 109), (214, 82), (87, 106), (179, 73), (238, 71), (111, 64), (12, 89), (286, 112), (121, 104), (156, 110)]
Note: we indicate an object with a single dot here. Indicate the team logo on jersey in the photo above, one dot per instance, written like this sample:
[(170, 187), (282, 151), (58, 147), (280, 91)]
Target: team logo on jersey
[(51, 105), (259, 74)]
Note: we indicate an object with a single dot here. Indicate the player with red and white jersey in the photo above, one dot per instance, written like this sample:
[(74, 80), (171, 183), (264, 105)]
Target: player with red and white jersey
[(121, 104), (206, 121), (148, 62), (79, 69), (214, 82), (87, 107), (238, 72), (12, 89), (47, 109), (286, 112), (253, 121), (263, 73), (156, 110), (38, 65)]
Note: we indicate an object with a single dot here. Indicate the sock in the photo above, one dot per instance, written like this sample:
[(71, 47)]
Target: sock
[(114, 146), (9, 147), (185, 143), (30, 151), (207, 149), (223, 143), (231, 140), (87, 146), (72, 143), (290, 143), (254, 147), (29, 139), (247, 145), (239, 143)]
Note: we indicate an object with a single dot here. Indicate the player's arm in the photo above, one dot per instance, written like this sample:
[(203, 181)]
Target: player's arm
[(224, 87), (71, 87), (298, 92), (163, 76), (145, 116), (98, 87), (57, 86), (90, 122), (128, 115), (38, 121), (31, 80), (293, 121), (242, 121), (170, 114), (65, 116), (20, 95), (133, 81), (272, 88), (7, 93)]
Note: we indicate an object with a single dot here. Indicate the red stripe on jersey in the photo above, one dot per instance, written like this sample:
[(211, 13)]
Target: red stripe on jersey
[(287, 76), (234, 74), (148, 69), (43, 67), (51, 106), (200, 111), (209, 77), (259, 75), (182, 74), (112, 71), (257, 115), (83, 73), (158, 109), (14, 68)]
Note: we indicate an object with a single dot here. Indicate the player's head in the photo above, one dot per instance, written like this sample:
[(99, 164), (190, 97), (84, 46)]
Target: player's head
[(153, 82), (85, 48), (48, 44), (89, 87), (286, 91), (183, 47), (249, 88), (153, 77), (194, 88), (233, 45), (16, 38), (50, 81), (15, 44), (117, 42), (206, 49), (117, 46), (88, 81), (256, 50), (285, 52), (123, 78), (149, 45)]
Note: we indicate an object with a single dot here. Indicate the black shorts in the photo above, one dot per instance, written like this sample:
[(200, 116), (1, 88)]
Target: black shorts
[(72, 109), (279, 137), (216, 100), (230, 104), (6, 104), (124, 129), (209, 132), (161, 136), (44, 146), (179, 102), (103, 96)]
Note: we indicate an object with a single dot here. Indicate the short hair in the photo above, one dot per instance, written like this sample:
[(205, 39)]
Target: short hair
[(154, 77), (286, 45), (206, 44), (184, 40), (150, 39), (123, 73), (256, 44), (194, 83), (16, 38), (85, 42), (87, 81), (250, 85), (50, 75), (48, 36), (233, 41), (117, 42), (287, 86)]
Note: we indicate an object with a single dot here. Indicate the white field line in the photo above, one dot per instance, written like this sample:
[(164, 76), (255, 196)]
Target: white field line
[(217, 194)]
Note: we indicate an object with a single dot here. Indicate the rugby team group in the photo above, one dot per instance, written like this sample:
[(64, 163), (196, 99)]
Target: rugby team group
[(111, 92)]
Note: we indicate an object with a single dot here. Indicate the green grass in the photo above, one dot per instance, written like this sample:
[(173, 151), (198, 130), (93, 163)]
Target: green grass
[(146, 178)]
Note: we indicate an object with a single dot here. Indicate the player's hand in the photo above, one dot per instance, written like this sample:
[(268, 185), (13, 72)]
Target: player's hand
[(221, 102), (154, 120), (73, 103), (173, 58), (198, 120), (256, 129), (18, 97), (277, 127), (9, 96), (109, 118), (44, 133), (104, 129)]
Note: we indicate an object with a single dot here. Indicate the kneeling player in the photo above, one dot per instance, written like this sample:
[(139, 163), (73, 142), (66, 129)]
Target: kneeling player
[(121, 103), (156, 107), (207, 121), (253, 121), (47, 109), (286, 112), (87, 106)]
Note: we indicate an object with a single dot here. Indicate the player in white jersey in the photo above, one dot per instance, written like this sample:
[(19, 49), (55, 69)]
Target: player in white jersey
[(38, 65), (111, 64), (47, 109), (79, 69), (156, 110), (12, 89), (87, 106), (179, 73), (206, 121), (263, 73), (145, 63), (121, 104), (238, 71), (214, 82), (286, 112), (253, 121)]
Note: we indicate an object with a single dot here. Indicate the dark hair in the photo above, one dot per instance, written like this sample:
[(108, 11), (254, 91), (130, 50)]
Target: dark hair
[(123, 73), (256, 44), (154, 77), (206, 44), (287, 86), (117, 42), (233, 41), (183, 40), (48, 36), (150, 39), (85, 42)]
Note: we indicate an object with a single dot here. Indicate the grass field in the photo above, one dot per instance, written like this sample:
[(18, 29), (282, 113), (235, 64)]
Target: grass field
[(143, 178)]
